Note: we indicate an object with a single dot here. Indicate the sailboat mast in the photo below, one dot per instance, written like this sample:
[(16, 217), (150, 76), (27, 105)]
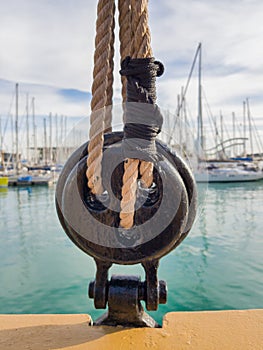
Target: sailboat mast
[(184, 94), (250, 129), (179, 114), (27, 129), (12, 140), (61, 134), (45, 143), (35, 131), (200, 112), (50, 138), (186, 135), (234, 132), (16, 128), (222, 133), (216, 137), (244, 128)]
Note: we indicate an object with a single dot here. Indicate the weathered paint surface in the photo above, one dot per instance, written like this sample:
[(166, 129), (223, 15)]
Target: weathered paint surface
[(181, 330)]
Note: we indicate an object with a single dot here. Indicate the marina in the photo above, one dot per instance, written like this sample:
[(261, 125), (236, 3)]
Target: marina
[(105, 171), (218, 267), (227, 158)]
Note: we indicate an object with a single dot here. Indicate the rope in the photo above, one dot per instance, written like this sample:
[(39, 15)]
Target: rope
[(140, 48), (141, 44), (101, 92), (135, 42), (125, 36), (109, 92)]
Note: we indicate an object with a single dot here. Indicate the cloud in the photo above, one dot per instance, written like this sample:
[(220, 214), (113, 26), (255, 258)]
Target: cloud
[(231, 35), (70, 102), (48, 46), (48, 42)]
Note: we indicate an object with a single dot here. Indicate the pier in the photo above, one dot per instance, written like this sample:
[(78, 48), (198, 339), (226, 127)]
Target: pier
[(30, 181), (231, 330)]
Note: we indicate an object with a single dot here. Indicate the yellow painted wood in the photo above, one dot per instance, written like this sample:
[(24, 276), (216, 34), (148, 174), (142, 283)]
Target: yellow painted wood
[(3, 181), (223, 330)]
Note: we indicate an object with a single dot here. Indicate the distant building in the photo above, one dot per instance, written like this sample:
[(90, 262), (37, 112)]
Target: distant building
[(8, 159)]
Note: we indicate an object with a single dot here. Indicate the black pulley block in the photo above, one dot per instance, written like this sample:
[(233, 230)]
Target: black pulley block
[(163, 216), (164, 213)]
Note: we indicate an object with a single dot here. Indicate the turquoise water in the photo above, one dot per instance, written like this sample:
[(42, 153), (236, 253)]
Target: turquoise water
[(218, 266)]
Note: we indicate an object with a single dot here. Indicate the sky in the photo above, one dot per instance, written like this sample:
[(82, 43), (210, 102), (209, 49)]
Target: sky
[(47, 47)]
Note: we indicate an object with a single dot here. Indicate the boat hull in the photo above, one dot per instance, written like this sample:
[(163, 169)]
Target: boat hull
[(228, 177), (3, 181)]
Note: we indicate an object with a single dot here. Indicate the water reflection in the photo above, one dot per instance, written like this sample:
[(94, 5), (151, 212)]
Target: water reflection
[(3, 191), (205, 241), (218, 266)]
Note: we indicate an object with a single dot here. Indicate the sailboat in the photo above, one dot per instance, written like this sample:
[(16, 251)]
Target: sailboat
[(22, 177), (3, 178), (228, 173), (227, 170)]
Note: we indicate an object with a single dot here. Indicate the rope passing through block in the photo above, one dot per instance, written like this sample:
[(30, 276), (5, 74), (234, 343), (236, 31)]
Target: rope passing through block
[(140, 202), (142, 124)]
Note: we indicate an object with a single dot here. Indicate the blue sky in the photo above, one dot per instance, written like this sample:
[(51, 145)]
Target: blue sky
[(47, 46)]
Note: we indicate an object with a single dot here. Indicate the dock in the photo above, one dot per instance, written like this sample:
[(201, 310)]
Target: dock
[(30, 181), (217, 330)]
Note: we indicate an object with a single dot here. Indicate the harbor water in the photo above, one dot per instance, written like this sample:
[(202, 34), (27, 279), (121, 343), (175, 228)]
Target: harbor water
[(218, 266)]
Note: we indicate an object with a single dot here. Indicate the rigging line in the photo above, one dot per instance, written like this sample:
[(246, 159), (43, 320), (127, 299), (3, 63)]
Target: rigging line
[(225, 129), (239, 133), (212, 126), (210, 114), (258, 138), (187, 85), (189, 115), (9, 113), (238, 127), (22, 119), (191, 119), (21, 130)]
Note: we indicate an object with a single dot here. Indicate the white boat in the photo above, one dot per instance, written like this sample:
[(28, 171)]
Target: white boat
[(230, 170), (228, 174)]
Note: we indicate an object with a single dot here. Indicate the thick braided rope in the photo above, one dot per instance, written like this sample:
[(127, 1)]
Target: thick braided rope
[(109, 92), (141, 44), (129, 177), (125, 36), (103, 48), (140, 48)]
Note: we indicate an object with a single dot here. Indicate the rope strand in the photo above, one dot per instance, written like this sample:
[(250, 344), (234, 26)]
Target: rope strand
[(135, 42), (125, 36), (109, 92), (101, 93), (140, 48)]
